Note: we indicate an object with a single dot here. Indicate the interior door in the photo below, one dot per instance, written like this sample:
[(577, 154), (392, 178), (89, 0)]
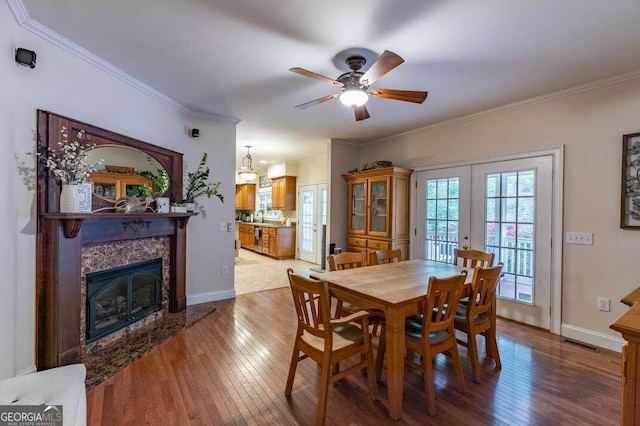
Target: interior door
[(312, 212), (501, 207)]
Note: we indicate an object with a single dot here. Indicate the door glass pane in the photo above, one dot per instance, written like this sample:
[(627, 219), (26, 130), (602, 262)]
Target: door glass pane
[(441, 227), (510, 231), (306, 226), (358, 204), (379, 206)]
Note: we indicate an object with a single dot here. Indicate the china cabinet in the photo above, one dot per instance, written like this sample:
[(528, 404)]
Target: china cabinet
[(112, 186), (378, 210)]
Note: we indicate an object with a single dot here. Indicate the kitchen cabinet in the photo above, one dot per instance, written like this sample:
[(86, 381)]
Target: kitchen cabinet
[(112, 186), (246, 196), (279, 242), (378, 210), (247, 236), (283, 193)]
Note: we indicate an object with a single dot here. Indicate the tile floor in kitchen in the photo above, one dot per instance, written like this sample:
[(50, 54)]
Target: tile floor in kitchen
[(256, 272)]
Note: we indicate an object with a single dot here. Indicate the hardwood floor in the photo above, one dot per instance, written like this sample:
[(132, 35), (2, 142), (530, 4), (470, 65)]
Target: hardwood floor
[(231, 368)]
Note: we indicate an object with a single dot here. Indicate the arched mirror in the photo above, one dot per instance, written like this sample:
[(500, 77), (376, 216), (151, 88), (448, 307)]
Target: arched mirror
[(126, 172)]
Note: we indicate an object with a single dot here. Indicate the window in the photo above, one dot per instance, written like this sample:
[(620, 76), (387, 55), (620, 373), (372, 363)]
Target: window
[(264, 204)]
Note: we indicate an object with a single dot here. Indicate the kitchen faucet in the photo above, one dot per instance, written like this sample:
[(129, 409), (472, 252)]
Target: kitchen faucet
[(261, 213)]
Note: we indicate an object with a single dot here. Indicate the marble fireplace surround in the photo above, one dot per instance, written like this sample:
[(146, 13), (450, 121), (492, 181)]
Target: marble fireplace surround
[(105, 256)]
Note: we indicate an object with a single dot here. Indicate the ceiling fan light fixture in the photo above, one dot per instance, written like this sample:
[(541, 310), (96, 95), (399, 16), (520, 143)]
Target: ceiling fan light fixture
[(354, 98), (246, 172)]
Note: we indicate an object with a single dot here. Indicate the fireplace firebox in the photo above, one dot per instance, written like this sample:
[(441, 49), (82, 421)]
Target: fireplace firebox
[(121, 296)]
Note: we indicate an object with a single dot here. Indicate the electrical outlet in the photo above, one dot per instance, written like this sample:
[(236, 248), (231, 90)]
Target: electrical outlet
[(229, 226), (224, 270), (604, 304), (222, 227), (584, 238)]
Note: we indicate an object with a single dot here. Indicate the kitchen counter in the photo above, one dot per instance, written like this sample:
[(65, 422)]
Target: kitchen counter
[(266, 224)]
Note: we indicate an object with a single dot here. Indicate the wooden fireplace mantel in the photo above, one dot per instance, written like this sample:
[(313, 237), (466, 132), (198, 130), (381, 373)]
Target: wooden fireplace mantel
[(61, 236), (72, 222)]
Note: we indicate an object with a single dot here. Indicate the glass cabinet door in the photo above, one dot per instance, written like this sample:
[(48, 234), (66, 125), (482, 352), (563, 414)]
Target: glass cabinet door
[(379, 207), (358, 206)]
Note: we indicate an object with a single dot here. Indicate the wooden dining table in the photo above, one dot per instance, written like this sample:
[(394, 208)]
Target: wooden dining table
[(398, 289)]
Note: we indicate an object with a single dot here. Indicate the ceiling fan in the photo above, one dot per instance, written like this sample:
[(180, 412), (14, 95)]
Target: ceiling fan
[(355, 84)]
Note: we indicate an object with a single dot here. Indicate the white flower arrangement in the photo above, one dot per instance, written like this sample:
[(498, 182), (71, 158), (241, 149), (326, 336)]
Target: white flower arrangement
[(67, 162)]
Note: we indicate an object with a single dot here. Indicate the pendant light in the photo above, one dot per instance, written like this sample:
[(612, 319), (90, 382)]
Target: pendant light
[(246, 172)]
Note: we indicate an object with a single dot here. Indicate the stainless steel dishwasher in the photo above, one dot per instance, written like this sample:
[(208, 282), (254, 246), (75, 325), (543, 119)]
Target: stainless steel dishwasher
[(258, 239)]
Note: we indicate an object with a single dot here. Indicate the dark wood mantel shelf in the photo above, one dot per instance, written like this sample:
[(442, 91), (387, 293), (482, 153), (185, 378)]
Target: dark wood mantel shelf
[(72, 222)]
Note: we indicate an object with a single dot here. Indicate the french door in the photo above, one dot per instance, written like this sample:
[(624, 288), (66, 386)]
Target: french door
[(502, 207), (312, 217)]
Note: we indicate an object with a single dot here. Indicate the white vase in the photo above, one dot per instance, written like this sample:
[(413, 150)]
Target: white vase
[(84, 197), (76, 198), (69, 199)]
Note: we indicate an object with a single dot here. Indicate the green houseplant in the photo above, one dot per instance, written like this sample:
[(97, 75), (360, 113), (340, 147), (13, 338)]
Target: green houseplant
[(198, 183)]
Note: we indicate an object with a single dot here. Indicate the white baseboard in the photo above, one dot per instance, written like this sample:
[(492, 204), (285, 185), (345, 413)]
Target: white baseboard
[(195, 299), (592, 337), (28, 370)]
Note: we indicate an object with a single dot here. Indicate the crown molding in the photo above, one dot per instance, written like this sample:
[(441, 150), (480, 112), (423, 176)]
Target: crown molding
[(213, 117), (22, 17), (609, 81)]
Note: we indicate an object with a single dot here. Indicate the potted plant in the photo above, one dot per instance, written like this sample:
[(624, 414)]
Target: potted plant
[(159, 186), (68, 164), (198, 184)]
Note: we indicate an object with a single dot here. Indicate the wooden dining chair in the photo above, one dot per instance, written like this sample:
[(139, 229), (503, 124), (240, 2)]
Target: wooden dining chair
[(325, 340), (473, 258), (381, 256), (348, 260), (433, 335), (477, 316)]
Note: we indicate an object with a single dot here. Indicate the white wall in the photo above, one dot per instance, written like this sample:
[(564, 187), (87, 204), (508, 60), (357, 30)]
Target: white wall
[(342, 158), (590, 124), (66, 85), (312, 170)]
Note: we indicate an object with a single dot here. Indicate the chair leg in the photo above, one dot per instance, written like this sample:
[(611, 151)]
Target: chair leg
[(371, 373), (473, 354), (292, 370), (457, 366), (323, 393), (374, 332), (429, 389), (493, 342), (382, 344)]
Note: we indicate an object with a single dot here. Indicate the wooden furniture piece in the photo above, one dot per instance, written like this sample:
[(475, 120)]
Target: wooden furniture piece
[(327, 341), (433, 335), (279, 242), (246, 196), (283, 193), (61, 236), (112, 186), (398, 289), (346, 260), (247, 236), (378, 210), (381, 256), (628, 324), (473, 258), (475, 317)]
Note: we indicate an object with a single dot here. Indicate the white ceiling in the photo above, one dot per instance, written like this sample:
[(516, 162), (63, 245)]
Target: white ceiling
[(231, 57)]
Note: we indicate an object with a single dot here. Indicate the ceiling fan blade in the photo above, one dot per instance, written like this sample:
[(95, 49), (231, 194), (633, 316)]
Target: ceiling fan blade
[(400, 95), (317, 101), (322, 78), (361, 113), (385, 63)]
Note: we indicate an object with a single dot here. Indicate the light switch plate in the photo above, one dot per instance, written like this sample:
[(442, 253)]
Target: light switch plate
[(584, 238)]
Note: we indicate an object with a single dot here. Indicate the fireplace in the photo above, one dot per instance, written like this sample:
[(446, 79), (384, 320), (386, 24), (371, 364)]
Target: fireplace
[(121, 296)]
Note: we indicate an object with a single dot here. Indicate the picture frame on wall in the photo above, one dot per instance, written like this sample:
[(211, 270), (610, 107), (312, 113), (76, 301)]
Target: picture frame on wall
[(264, 182), (630, 192)]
